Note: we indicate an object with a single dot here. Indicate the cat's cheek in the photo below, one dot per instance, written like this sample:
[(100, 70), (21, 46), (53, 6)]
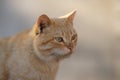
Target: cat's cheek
[(63, 51)]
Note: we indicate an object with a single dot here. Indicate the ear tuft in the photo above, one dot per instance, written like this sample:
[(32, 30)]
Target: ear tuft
[(43, 22), (70, 16)]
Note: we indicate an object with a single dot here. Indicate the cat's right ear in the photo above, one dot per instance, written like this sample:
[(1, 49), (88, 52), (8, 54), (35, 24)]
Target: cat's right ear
[(42, 22)]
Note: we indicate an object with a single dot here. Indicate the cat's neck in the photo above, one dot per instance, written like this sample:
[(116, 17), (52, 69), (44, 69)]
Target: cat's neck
[(42, 66), (39, 64), (24, 42)]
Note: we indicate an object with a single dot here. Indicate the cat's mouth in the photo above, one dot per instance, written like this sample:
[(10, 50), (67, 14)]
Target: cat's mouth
[(62, 55)]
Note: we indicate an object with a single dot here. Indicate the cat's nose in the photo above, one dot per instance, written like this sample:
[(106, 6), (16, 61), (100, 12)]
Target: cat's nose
[(70, 46)]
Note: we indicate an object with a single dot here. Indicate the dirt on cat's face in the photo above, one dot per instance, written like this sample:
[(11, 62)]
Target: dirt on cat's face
[(54, 38)]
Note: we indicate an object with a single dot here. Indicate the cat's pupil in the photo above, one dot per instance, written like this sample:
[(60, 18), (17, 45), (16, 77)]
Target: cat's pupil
[(59, 39)]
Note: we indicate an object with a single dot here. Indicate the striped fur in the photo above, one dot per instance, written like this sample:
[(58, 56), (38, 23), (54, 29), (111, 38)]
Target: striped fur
[(34, 54)]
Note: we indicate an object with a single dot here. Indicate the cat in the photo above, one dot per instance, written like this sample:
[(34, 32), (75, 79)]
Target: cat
[(35, 54)]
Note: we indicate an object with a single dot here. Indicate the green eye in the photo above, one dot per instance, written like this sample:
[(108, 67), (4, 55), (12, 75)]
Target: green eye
[(59, 39), (73, 37)]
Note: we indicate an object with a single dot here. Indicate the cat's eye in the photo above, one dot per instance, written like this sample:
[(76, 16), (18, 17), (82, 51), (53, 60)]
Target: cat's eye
[(59, 39), (73, 37)]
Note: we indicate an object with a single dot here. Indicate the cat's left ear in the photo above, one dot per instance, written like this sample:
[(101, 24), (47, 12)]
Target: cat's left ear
[(70, 16)]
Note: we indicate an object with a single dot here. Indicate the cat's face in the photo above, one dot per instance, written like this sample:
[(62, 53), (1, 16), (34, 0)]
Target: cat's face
[(54, 38)]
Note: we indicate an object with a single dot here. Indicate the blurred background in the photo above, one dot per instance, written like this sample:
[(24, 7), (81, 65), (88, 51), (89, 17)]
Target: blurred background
[(98, 25)]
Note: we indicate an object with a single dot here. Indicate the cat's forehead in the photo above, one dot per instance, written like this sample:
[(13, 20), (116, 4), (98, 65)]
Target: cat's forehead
[(62, 26), (59, 21)]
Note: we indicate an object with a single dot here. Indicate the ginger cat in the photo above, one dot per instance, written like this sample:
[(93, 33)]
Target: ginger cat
[(35, 54)]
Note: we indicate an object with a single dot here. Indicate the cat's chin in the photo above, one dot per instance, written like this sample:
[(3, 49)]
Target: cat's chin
[(61, 56), (53, 54), (54, 57)]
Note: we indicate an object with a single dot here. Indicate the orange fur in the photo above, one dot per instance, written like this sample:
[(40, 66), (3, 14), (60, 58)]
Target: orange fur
[(34, 54)]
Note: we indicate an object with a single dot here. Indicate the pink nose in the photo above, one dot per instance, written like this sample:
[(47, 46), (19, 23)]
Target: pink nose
[(70, 46)]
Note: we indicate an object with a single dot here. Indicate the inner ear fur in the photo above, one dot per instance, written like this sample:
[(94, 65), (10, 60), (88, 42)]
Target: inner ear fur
[(43, 22)]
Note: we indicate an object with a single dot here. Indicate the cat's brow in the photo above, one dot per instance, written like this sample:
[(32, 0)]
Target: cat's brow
[(63, 34)]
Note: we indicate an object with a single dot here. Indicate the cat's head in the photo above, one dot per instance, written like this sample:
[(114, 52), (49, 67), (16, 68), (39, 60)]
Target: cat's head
[(54, 38)]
